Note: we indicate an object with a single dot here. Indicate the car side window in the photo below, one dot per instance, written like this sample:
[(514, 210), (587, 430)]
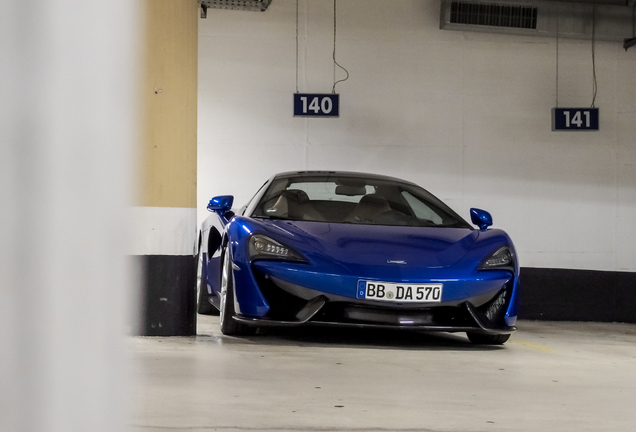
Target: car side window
[(421, 210)]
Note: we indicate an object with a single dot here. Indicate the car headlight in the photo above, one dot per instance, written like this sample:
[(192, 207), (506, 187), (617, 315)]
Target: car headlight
[(501, 259), (264, 247)]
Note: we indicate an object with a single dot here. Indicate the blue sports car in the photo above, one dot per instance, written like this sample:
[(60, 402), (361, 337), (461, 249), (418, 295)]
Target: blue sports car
[(358, 250)]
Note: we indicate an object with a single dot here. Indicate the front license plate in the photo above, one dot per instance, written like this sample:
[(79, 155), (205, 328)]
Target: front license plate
[(398, 292)]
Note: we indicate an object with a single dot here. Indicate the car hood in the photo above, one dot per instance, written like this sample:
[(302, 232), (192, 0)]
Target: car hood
[(375, 245)]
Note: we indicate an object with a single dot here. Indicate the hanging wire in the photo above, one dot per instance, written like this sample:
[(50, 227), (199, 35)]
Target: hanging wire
[(594, 83), (335, 63), (557, 59), (296, 46)]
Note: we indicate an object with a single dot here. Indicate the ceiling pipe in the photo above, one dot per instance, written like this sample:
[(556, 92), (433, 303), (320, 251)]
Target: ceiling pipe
[(604, 2)]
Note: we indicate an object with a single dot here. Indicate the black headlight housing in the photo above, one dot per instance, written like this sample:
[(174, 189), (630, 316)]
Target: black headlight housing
[(500, 259), (264, 247)]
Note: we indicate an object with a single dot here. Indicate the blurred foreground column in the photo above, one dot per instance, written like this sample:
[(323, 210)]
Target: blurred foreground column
[(67, 114), (165, 214)]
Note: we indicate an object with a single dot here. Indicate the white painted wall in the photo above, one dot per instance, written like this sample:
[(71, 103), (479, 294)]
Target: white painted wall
[(466, 115)]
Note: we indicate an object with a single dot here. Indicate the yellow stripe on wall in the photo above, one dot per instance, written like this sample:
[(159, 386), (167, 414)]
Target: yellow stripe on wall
[(169, 104)]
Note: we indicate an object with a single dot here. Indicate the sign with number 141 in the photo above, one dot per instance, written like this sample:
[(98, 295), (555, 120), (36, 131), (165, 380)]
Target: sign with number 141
[(575, 119)]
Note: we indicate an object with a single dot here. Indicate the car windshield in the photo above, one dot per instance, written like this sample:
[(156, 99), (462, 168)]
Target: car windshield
[(355, 200)]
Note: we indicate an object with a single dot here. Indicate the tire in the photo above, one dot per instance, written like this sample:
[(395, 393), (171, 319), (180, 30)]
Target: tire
[(486, 339), (230, 326), (204, 307)]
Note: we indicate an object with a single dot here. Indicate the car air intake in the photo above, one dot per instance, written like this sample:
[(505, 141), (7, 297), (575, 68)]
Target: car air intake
[(494, 15)]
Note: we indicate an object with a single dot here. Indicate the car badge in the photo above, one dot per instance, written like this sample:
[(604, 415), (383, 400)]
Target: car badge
[(396, 261)]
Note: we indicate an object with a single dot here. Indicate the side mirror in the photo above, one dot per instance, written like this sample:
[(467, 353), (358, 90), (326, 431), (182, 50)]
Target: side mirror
[(481, 218), (221, 204)]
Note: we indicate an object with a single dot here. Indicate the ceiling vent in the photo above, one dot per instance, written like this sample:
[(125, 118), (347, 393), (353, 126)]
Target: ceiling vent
[(612, 22), (493, 15), (244, 5)]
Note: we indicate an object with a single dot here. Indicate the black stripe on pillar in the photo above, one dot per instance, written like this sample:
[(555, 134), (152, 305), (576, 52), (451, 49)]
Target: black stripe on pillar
[(577, 295), (168, 295)]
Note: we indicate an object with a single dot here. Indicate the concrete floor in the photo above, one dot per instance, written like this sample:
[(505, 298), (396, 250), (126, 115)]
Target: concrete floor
[(549, 377)]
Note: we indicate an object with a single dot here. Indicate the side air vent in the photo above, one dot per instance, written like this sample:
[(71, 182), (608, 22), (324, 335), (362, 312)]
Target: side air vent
[(494, 15)]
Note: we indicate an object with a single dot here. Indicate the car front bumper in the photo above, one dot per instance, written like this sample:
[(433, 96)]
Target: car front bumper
[(295, 305)]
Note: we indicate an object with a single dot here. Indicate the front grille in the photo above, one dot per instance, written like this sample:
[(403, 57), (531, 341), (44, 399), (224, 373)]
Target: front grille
[(353, 313), (494, 15)]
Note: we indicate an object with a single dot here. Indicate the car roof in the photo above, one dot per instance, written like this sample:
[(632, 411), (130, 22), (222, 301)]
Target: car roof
[(350, 174)]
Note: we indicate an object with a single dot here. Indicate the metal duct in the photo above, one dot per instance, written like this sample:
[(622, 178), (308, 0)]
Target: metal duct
[(613, 23), (494, 15), (244, 5), (604, 2)]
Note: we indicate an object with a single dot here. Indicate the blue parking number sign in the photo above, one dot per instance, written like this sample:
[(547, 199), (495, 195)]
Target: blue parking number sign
[(578, 119), (316, 105)]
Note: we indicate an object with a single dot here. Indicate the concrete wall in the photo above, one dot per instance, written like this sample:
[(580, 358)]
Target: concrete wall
[(169, 100), (466, 115), (164, 228)]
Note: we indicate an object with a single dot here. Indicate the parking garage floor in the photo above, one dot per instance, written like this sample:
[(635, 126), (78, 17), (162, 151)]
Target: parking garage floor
[(551, 376)]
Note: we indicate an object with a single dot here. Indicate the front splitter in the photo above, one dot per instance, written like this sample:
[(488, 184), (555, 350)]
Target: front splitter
[(481, 326)]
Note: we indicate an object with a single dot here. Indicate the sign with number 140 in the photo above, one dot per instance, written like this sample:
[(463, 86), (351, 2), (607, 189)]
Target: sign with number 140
[(316, 105)]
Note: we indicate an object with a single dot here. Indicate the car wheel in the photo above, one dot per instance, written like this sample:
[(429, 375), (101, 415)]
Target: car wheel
[(204, 307), (486, 339), (229, 326)]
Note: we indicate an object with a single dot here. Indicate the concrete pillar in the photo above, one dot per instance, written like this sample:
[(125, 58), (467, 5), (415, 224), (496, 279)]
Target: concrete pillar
[(67, 115), (165, 212)]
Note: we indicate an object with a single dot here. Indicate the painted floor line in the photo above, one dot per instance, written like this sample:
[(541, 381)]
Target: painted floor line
[(531, 345)]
